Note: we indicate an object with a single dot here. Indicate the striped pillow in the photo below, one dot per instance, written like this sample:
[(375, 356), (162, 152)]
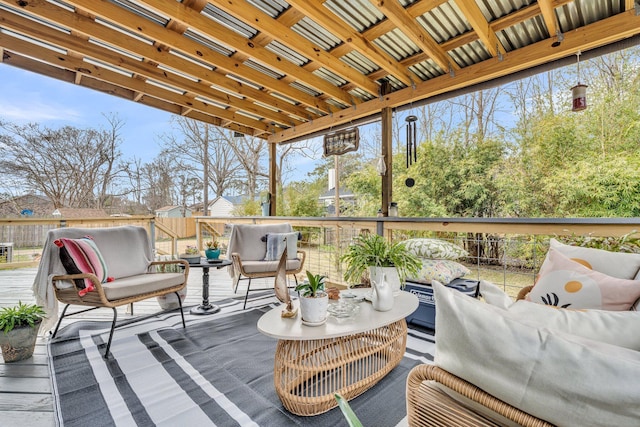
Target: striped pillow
[(82, 256)]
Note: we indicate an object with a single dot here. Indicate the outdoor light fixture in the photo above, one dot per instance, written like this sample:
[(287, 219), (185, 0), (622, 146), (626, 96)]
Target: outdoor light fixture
[(579, 91)]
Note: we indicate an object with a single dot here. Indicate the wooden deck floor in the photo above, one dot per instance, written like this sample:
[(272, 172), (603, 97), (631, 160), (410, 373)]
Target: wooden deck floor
[(25, 389)]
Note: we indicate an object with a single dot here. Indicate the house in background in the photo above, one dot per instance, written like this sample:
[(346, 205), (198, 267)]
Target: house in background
[(224, 205), (328, 198), (28, 205), (173, 212)]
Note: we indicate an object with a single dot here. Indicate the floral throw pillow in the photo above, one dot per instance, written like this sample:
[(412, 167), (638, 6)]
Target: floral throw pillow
[(565, 283), (434, 249), (439, 270)]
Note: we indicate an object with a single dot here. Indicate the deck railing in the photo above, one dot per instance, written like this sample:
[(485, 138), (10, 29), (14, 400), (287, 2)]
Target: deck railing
[(506, 251)]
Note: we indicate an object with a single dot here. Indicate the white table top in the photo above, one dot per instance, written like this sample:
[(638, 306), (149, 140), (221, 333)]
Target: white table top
[(273, 325)]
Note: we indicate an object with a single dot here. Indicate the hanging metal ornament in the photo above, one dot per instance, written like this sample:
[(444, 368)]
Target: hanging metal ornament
[(579, 92), (412, 146)]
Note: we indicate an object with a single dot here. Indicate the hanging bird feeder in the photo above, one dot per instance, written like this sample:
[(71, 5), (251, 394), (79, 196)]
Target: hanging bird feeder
[(579, 92)]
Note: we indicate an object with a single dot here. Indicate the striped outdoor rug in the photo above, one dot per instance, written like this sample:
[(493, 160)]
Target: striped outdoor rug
[(219, 371)]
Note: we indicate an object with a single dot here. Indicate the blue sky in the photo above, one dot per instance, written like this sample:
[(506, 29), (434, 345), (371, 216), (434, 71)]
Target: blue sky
[(29, 97)]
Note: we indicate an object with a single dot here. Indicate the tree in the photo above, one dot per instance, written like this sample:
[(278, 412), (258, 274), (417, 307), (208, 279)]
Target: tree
[(72, 167)]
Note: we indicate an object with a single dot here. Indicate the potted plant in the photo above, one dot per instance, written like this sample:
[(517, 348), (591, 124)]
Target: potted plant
[(374, 253), (191, 255), (313, 299), (19, 327), (213, 249)]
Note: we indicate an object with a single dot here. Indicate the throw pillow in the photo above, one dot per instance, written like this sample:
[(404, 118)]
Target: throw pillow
[(616, 264), (82, 256), (434, 249), (440, 270), (276, 242), (565, 283), (613, 327), (536, 369)]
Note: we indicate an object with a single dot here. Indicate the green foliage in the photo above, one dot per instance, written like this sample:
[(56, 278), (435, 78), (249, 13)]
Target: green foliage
[(248, 207), (311, 287), (349, 415), (20, 315), (629, 243), (373, 250)]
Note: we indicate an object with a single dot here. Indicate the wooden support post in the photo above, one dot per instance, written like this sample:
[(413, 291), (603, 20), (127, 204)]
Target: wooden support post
[(272, 178), (387, 152)]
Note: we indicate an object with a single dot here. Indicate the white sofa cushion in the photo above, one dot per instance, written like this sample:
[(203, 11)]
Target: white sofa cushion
[(616, 264), (561, 378), (614, 327)]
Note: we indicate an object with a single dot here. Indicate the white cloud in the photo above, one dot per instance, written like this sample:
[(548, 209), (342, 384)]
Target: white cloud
[(33, 110)]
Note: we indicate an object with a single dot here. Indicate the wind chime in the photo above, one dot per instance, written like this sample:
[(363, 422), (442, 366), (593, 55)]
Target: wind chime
[(579, 92), (412, 146)]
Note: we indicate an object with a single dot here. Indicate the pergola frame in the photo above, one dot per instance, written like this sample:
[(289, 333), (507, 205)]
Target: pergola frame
[(289, 70)]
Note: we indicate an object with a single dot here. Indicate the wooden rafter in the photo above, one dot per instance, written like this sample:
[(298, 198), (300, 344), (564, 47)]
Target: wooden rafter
[(315, 10), (405, 22), (256, 71), (600, 33), (549, 16), (244, 10), (482, 28), (170, 38)]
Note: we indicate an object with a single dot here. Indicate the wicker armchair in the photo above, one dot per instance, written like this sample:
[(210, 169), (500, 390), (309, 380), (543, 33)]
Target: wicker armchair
[(247, 246), (135, 276), (428, 405)]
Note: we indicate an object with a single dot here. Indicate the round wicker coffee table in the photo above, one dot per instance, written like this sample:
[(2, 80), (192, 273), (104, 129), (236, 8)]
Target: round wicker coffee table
[(346, 356)]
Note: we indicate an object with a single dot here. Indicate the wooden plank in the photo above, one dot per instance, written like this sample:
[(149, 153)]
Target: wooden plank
[(25, 385), (17, 402), (30, 419)]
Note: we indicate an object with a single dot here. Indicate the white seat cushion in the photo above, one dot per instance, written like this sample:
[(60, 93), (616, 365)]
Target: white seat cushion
[(141, 284)]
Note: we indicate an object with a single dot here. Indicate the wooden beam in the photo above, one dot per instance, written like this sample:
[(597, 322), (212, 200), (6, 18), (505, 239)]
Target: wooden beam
[(482, 28), (386, 150), (406, 23), (112, 13), (273, 178), (315, 10), (194, 19), (247, 12), (131, 83), (52, 13), (549, 17), (16, 60), (599, 33)]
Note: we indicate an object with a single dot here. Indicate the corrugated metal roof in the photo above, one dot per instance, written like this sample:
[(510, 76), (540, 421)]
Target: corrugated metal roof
[(347, 66)]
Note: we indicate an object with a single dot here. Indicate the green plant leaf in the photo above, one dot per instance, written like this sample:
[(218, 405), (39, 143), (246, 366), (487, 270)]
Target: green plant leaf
[(348, 413)]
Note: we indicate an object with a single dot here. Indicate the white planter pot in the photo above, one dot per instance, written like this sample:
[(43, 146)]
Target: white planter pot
[(391, 277), (170, 301), (314, 310)]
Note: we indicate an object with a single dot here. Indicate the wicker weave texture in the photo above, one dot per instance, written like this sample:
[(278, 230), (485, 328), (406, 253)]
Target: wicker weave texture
[(307, 373), (427, 406)]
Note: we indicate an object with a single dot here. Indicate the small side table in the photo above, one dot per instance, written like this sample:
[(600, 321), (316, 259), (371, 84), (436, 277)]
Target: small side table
[(206, 307)]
